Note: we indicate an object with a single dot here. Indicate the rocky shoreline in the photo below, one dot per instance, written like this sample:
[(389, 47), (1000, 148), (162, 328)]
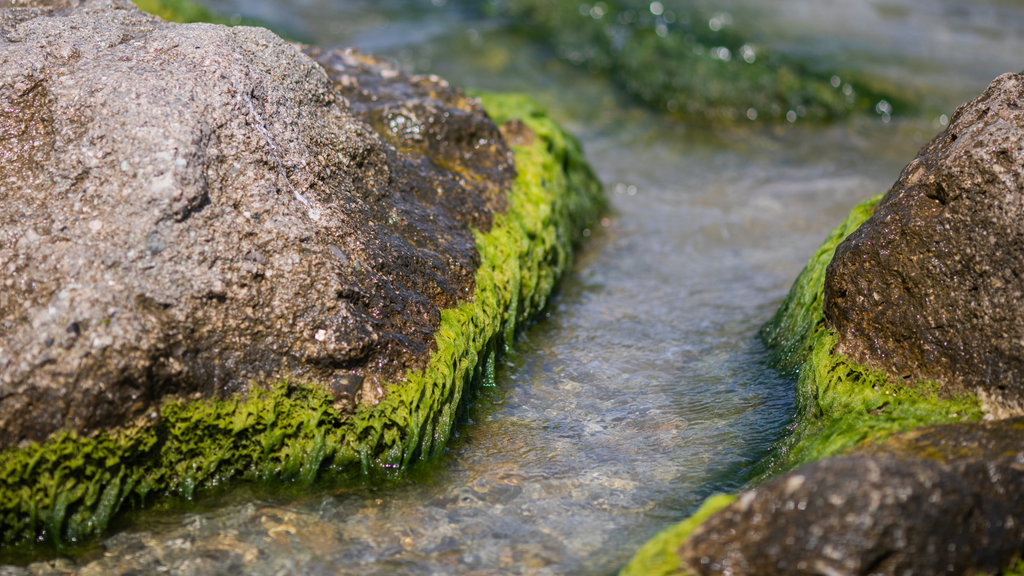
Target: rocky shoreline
[(286, 263), (907, 444)]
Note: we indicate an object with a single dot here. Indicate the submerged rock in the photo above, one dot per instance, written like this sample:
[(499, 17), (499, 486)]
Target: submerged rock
[(222, 258), (929, 288)]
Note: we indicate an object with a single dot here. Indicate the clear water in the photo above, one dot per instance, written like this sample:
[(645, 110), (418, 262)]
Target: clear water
[(644, 389)]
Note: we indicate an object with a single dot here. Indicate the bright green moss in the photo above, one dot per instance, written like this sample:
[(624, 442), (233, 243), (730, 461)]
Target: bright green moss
[(69, 488), (682, 65), (841, 404), (658, 557)]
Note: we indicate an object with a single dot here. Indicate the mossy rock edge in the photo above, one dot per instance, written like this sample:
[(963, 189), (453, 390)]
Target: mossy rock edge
[(67, 489), (839, 404)]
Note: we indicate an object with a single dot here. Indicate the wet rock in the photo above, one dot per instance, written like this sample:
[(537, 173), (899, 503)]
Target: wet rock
[(423, 117), (929, 287), (191, 210), (942, 500)]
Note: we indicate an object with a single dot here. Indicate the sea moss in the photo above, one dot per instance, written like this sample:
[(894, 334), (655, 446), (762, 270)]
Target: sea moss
[(675, 61), (68, 488)]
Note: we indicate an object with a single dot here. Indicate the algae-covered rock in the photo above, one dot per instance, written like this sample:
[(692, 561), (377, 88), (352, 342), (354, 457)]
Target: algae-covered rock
[(181, 11), (953, 442), (692, 62), (929, 287), (221, 261)]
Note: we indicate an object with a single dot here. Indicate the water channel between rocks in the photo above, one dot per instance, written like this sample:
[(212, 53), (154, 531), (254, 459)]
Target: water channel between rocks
[(644, 388)]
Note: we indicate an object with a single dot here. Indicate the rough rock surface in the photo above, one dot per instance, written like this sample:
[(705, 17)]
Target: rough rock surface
[(186, 209), (943, 500), (930, 286)]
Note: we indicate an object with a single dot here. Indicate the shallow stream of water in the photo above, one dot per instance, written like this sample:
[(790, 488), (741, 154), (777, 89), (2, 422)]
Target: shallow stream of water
[(644, 388)]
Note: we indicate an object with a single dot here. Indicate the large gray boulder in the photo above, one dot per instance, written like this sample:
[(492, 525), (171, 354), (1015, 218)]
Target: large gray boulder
[(193, 209), (930, 287)]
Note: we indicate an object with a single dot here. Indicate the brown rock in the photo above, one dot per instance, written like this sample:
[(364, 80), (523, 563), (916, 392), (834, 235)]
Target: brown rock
[(943, 500), (189, 209), (931, 286)]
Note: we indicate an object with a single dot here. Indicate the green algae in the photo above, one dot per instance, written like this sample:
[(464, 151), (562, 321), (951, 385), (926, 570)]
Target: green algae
[(841, 404), (658, 557), (67, 489), (676, 62)]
